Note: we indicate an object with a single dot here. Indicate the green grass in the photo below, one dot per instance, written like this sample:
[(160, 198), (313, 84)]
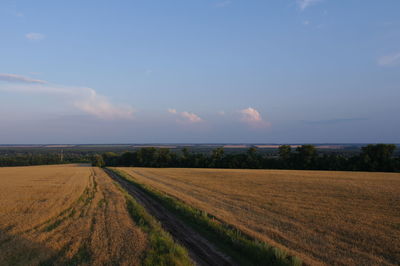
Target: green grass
[(82, 257), (102, 202), (244, 249), (59, 221), (161, 250), (53, 225)]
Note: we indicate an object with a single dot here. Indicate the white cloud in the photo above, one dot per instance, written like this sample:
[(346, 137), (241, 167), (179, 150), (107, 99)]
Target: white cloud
[(303, 4), (223, 3), (98, 105), (172, 111), (82, 98), (191, 117), (252, 117), (186, 116), (306, 22), (389, 60), (19, 78), (34, 36)]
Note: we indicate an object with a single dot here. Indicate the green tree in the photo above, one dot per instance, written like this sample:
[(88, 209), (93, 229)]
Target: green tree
[(98, 161), (110, 158), (378, 157), (185, 158), (285, 156), (306, 155), (128, 159), (147, 156), (163, 157), (217, 157), (252, 158), (285, 152)]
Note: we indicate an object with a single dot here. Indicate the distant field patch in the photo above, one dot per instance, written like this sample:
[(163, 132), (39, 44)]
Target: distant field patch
[(323, 217)]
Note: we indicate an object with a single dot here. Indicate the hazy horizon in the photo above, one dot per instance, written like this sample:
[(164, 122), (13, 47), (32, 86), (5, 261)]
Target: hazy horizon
[(211, 71), (138, 144)]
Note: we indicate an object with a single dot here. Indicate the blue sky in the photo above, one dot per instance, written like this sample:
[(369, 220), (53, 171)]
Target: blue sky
[(280, 71)]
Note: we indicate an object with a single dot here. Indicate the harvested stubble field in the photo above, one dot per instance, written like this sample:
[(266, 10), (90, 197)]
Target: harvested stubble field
[(323, 217), (65, 215)]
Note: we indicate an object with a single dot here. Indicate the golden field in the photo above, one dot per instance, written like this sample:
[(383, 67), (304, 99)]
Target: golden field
[(323, 217), (65, 214)]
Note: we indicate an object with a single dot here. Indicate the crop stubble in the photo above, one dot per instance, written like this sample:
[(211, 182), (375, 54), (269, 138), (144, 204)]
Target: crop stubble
[(65, 214), (323, 217)]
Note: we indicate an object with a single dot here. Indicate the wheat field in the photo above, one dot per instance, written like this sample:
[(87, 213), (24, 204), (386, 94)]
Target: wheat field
[(323, 217), (65, 214)]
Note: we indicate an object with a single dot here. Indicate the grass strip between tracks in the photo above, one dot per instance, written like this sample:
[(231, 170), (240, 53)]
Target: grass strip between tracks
[(244, 249), (162, 249)]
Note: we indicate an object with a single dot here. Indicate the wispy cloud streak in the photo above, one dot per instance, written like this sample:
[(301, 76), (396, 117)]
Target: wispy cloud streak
[(303, 4), (223, 3), (82, 98), (335, 121), (19, 78), (389, 60), (33, 36)]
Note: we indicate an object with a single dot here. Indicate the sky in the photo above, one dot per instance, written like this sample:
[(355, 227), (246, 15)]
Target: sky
[(199, 71)]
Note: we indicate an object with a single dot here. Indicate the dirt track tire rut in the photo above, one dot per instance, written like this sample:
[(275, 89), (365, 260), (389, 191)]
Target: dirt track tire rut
[(200, 249)]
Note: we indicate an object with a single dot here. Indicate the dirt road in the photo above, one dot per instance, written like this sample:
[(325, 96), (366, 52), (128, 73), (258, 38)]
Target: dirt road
[(200, 249)]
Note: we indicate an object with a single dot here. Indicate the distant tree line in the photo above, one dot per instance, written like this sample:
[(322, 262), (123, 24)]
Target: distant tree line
[(373, 157), (27, 159)]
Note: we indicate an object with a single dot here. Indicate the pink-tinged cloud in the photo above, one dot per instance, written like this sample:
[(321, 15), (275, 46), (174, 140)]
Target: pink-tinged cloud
[(186, 116), (172, 111), (34, 36), (191, 117), (252, 117)]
